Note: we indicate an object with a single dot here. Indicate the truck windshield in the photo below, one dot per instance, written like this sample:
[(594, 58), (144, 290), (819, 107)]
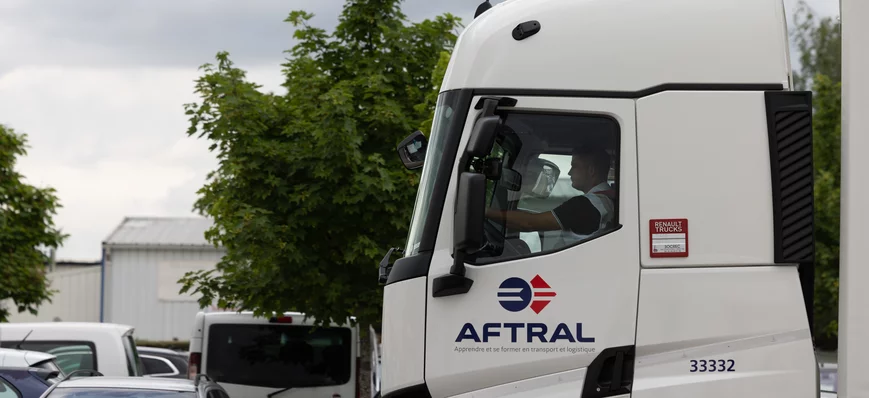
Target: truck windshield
[(445, 110)]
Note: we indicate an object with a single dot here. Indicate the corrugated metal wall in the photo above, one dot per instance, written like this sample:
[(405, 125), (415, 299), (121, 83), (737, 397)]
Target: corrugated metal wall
[(77, 298), (135, 297)]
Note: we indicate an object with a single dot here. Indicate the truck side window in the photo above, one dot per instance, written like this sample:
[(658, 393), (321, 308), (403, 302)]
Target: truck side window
[(558, 185)]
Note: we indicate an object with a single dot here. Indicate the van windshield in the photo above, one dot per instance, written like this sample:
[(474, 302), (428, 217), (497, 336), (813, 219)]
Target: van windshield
[(279, 356)]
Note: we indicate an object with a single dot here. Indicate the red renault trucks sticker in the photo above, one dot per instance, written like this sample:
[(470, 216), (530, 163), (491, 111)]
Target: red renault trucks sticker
[(668, 237)]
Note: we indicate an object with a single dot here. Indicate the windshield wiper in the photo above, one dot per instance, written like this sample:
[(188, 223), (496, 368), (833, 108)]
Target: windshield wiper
[(280, 391)]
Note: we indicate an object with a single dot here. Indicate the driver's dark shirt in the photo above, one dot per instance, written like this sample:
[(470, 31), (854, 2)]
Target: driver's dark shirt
[(578, 215)]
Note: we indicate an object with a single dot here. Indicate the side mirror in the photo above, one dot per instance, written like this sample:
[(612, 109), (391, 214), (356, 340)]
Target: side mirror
[(467, 234), (544, 175), (482, 138), (469, 216), (411, 150)]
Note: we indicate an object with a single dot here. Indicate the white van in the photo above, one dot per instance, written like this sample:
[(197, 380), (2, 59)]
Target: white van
[(105, 347), (259, 357)]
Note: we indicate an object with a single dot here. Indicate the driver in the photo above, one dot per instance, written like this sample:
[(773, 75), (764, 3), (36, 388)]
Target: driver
[(578, 217)]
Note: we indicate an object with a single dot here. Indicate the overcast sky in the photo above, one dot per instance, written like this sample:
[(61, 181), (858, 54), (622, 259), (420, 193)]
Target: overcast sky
[(98, 87)]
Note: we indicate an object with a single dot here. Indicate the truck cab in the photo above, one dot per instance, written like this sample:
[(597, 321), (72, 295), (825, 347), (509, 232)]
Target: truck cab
[(615, 200)]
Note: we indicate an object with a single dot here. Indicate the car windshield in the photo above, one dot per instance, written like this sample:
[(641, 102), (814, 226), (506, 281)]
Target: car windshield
[(118, 393), (444, 112)]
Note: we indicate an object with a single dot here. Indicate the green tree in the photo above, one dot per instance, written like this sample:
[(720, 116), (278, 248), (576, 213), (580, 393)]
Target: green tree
[(819, 47), (309, 192), (26, 226), (820, 62)]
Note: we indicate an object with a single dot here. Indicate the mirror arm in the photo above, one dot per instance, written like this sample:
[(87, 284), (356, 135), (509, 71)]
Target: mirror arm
[(455, 282)]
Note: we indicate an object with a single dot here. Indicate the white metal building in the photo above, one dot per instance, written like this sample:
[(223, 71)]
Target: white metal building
[(143, 259), (77, 297)]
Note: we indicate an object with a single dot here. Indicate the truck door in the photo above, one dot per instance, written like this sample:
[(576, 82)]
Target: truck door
[(549, 296)]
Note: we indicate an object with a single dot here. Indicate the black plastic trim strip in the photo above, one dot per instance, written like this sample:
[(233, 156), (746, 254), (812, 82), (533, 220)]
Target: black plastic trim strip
[(442, 179), (789, 126), (409, 268), (631, 94), (417, 391), (610, 374), (791, 152)]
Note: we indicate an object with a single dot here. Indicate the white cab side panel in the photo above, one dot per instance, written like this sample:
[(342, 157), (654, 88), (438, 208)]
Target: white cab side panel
[(645, 45), (403, 347), (704, 157), (748, 319)]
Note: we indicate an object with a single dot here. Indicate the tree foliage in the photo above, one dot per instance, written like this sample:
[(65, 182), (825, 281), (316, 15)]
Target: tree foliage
[(819, 47), (819, 44), (26, 226), (309, 192)]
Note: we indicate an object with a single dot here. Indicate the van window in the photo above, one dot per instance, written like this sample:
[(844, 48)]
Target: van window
[(278, 356), (71, 355)]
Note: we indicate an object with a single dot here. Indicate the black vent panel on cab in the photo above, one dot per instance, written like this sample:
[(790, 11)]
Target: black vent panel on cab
[(789, 119)]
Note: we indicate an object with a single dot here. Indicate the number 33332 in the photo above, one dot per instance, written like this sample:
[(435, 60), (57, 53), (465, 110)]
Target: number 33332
[(713, 365)]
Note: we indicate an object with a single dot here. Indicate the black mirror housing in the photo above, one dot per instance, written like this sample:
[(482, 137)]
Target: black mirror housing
[(411, 150), (482, 138), (469, 214)]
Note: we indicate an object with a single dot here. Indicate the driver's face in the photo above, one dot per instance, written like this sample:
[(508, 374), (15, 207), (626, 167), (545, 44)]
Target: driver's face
[(579, 173)]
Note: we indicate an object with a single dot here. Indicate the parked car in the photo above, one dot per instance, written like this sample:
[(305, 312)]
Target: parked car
[(256, 357), (140, 387), (26, 382), (163, 362), (14, 358), (105, 347)]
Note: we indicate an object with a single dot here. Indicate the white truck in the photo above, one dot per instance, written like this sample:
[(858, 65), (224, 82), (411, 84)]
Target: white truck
[(676, 259)]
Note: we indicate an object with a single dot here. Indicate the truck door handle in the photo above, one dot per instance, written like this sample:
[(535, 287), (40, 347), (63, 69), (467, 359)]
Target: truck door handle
[(610, 374)]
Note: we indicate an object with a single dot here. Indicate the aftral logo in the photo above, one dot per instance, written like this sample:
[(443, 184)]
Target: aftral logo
[(515, 294)]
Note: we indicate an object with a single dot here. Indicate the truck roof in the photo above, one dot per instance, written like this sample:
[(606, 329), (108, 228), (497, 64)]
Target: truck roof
[(623, 45)]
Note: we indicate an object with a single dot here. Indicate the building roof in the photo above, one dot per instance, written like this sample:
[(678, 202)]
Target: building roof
[(161, 231)]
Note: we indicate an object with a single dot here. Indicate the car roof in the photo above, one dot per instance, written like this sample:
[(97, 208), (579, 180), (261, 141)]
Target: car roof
[(12, 355), (145, 383)]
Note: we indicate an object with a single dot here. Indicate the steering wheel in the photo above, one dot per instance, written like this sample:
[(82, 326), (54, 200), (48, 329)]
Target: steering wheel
[(493, 237), (497, 245)]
